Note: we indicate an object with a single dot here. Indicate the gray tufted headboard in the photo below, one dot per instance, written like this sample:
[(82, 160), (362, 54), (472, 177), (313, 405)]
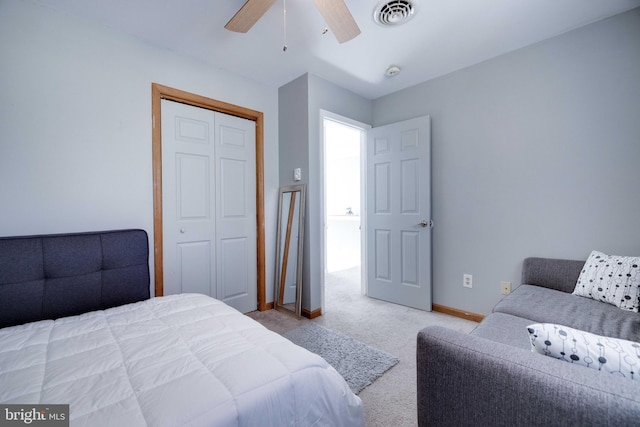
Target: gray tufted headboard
[(51, 276)]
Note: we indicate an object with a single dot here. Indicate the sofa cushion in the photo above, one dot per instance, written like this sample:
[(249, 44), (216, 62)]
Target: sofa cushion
[(505, 329), (612, 279), (612, 355), (543, 305)]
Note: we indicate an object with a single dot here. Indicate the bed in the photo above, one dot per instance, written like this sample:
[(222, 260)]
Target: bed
[(119, 358)]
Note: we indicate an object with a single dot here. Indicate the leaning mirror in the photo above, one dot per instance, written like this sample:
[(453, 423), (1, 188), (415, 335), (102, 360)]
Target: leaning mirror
[(289, 249)]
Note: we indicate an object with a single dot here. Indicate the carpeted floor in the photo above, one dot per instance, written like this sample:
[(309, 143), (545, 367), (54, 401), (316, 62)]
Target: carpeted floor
[(391, 399)]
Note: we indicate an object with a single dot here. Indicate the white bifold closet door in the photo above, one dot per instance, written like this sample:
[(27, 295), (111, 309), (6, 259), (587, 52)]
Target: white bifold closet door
[(209, 204)]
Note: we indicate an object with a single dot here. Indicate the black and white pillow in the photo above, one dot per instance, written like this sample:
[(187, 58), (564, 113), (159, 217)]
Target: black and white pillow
[(613, 355), (612, 279)]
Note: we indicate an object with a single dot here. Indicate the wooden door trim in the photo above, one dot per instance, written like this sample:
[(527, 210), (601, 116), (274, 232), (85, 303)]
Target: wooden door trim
[(159, 92)]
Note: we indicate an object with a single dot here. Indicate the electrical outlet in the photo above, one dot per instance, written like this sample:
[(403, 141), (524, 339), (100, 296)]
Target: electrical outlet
[(467, 280), (505, 288)]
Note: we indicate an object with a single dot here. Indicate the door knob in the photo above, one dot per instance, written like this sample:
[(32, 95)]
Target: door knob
[(182, 230), (425, 223)]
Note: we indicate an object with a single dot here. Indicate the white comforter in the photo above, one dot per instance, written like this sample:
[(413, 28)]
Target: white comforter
[(177, 360)]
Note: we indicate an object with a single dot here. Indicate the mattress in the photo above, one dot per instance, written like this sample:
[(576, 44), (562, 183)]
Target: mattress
[(177, 360)]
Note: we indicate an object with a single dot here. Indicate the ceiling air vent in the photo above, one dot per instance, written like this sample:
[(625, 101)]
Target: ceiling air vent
[(394, 12)]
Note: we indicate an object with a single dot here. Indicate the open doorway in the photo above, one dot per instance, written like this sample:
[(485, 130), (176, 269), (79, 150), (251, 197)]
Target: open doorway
[(343, 143)]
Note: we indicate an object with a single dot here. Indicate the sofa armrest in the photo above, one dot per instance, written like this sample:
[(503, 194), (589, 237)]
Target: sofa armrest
[(559, 274), (464, 380)]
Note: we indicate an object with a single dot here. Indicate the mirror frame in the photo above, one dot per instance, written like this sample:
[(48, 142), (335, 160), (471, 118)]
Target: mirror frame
[(281, 240)]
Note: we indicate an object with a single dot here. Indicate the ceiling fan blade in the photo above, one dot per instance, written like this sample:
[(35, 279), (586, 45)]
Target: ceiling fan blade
[(337, 16), (248, 15)]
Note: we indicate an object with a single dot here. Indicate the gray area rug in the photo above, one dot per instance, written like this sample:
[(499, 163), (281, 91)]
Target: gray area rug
[(358, 363)]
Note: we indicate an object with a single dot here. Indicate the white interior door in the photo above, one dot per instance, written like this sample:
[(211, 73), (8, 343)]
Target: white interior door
[(208, 194), (399, 213)]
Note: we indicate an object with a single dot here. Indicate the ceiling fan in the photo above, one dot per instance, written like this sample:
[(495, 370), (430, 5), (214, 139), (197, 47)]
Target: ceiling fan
[(335, 13)]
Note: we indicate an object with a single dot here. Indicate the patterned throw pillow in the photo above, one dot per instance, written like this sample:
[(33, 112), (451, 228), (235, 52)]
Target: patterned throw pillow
[(612, 279), (612, 355)]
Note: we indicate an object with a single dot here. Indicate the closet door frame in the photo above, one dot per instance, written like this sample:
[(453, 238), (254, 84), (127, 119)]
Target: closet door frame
[(159, 92)]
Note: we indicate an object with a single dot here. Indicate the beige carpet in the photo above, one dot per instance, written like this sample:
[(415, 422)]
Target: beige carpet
[(391, 399)]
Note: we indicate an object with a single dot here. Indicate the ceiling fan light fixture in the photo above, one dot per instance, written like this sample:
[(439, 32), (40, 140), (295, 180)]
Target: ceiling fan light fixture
[(394, 12)]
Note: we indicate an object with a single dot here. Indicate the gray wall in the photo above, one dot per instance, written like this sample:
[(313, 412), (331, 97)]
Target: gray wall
[(300, 147), (293, 113), (535, 153), (75, 124), (293, 122)]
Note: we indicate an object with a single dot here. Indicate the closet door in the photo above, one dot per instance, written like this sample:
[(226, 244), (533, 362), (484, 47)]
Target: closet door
[(208, 199), (235, 188)]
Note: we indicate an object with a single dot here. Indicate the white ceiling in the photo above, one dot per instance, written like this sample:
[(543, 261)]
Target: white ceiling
[(444, 36)]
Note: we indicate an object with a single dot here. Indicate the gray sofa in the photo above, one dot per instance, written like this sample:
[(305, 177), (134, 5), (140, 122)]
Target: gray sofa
[(491, 378)]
